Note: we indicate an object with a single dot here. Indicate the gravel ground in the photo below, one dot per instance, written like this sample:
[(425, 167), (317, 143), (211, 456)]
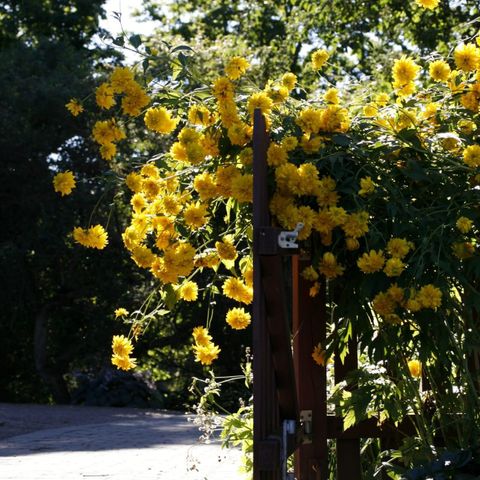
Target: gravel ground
[(21, 418), (41, 442)]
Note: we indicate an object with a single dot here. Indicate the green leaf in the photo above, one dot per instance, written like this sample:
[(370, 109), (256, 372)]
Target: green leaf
[(145, 64), (177, 70), (170, 296), (349, 419), (182, 47), (120, 41), (341, 140), (135, 40)]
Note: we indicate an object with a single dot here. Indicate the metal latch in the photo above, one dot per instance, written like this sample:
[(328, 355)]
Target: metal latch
[(287, 239), (306, 422)]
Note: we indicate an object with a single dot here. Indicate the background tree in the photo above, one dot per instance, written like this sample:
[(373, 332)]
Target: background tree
[(51, 307), (280, 33)]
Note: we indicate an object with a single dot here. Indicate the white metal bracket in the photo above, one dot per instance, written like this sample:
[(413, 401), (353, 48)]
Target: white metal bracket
[(288, 239)]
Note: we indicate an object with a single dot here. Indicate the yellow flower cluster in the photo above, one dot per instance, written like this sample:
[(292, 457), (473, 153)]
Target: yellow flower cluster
[(122, 348), (412, 300), (205, 350), (207, 174)]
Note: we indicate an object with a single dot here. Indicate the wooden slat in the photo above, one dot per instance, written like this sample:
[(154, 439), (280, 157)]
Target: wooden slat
[(279, 333), (309, 329), (348, 449), (368, 429)]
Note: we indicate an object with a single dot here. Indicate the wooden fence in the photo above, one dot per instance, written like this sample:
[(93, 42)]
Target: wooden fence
[(290, 409)]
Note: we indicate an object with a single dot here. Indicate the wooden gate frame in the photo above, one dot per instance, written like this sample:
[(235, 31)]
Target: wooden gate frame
[(289, 389)]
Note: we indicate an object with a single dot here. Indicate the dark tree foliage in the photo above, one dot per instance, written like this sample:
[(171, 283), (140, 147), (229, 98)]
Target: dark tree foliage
[(56, 299)]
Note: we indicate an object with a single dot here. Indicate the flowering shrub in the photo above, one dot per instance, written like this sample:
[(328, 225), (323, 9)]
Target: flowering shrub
[(385, 183)]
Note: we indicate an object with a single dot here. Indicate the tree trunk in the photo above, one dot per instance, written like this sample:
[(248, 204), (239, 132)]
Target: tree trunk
[(52, 378)]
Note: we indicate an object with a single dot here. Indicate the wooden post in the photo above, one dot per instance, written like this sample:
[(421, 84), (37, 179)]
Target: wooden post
[(266, 451), (309, 329)]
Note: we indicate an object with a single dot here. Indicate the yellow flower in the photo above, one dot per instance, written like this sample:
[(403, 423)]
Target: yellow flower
[(429, 296), (222, 89), (188, 291), (204, 184), (74, 107), (121, 346), (121, 79), (238, 318), (319, 58), (331, 96), (311, 144), (404, 90), (352, 243), (160, 120), (289, 143), (467, 57), (143, 256), (370, 110), (289, 80), (405, 71), (463, 250), (206, 354), (237, 290), (399, 247), (329, 266), (371, 262), (276, 155), (195, 215), (464, 224), (382, 99), (121, 312), (259, 100), (439, 71), (135, 100), (356, 224), (107, 131), (64, 182), (201, 336), (396, 293), (236, 67), (383, 304), (309, 120), (430, 4), (108, 150), (200, 115), (124, 363), (104, 96), (394, 267), (226, 249), (314, 289), (309, 273), (467, 127), (471, 156), (94, 237), (319, 355), (242, 188), (415, 368), (208, 258), (367, 186), (134, 182)]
